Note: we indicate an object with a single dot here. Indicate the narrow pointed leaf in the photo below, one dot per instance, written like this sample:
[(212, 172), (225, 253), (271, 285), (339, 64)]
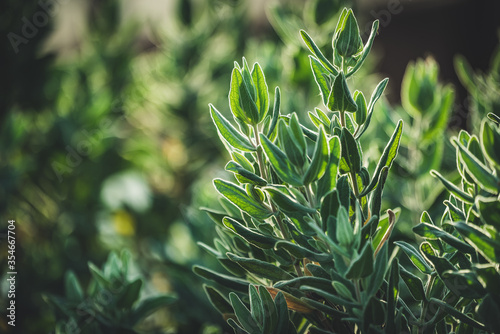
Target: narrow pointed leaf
[(232, 136), (316, 51), (239, 197), (388, 156), (319, 160), (459, 193), (260, 268), (416, 258), (280, 162)]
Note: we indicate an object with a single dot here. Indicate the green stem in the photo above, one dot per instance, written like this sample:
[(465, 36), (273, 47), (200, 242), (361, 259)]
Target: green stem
[(425, 303), (260, 158), (355, 186)]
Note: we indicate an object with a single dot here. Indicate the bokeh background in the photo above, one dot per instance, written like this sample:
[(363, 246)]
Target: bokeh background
[(106, 141)]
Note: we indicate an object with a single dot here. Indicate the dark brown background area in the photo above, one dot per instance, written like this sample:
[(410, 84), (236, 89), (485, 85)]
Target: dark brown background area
[(442, 29)]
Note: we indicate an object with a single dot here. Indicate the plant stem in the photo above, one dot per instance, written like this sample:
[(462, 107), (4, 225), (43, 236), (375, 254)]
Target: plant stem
[(355, 186), (260, 158), (342, 118), (425, 303)]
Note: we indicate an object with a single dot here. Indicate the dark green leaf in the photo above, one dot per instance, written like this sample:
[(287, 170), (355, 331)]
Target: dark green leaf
[(362, 265), (276, 112), (244, 175), (280, 162), (287, 204), (377, 93), (260, 268), (315, 282), (416, 258), (251, 236), (489, 209), (224, 280), (459, 193), (478, 171), (413, 283), (351, 157), (484, 244), (232, 136), (217, 299), (241, 199), (282, 311), (316, 51), (457, 314), (262, 96), (130, 294), (320, 75), (433, 232), (362, 111), (319, 160), (366, 49), (243, 314), (301, 252), (392, 296), (388, 156), (329, 180), (340, 98)]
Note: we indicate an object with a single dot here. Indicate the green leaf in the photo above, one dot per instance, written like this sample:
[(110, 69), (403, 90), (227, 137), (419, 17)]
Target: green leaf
[(230, 282), (392, 297), (319, 160), (416, 258), (376, 199), (485, 245), (243, 175), (72, 287), (316, 282), (489, 211), (366, 49), (149, 306), (280, 162), (459, 193), (351, 157), (347, 41), (234, 96), (330, 297), (457, 314), (344, 231), (362, 111), (217, 300), (260, 268), (262, 96), (329, 180), (477, 170), (494, 118), (340, 98), (413, 283), (256, 239), (282, 311), (316, 51), (488, 307), (243, 314), (270, 311), (287, 204), (294, 153), (256, 307), (232, 136), (388, 156), (433, 232), (300, 252), (377, 93), (490, 138), (130, 294), (241, 199), (320, 76), (361, 265), (276, 112), (99, 276)]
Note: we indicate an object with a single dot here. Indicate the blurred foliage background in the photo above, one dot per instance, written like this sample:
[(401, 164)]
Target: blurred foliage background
[(106, 141)]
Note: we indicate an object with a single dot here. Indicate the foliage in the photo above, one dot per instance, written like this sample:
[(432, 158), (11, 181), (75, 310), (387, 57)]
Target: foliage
[(426, 110), (460, 254), (112, 302), (304, 219)]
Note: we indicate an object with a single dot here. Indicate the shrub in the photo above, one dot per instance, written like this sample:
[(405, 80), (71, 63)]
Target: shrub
[(303, 223)]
